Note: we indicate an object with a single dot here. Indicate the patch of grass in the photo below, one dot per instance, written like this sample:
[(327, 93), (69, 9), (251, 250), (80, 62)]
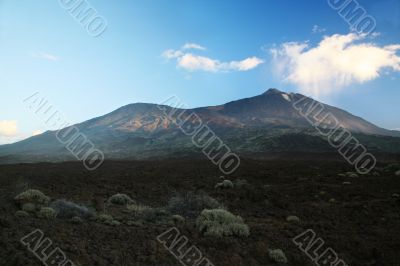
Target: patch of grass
[(219, 223)]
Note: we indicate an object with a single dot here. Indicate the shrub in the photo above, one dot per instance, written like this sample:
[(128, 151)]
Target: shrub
[(66, 209), (32, 196), (239, 183), (224, 184), (136, 208), (21, 214), (120, 199), (190, 205), (293, 219), (29, 207), (219, 222), (178, 219), (76, 220), (277, 255), (104, 218), (47, 213)]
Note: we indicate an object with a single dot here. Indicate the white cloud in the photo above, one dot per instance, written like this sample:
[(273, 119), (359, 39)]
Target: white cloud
[(193, 62), (45, 56), (317, 29), (336, 62), (8, 128), (194, 46)]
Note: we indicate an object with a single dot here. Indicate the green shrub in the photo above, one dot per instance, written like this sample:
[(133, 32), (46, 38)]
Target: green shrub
[(76, 220), (66, 209), (224, 184), (136, 208), (21, 214), (239, 183), (293, 219), (32, 196), (29, 207), (277, 256), (178, 219), (190, 205), (219, 223), (47, 213), (120, 199), (104, 218)]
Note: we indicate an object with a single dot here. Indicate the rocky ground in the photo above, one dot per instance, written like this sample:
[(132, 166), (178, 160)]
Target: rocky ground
[(358, 216)]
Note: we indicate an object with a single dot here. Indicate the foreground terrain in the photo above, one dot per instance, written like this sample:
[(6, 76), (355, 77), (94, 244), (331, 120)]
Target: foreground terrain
[(359, 217)]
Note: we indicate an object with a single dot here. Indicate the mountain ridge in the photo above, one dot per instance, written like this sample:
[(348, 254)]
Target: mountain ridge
[(142, 130)]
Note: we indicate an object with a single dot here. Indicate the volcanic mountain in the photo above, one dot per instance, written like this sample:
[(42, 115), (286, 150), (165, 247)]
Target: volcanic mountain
[(270, 122)]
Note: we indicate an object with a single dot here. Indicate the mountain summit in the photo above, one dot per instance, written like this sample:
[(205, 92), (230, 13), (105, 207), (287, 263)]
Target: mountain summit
[(264, 123)]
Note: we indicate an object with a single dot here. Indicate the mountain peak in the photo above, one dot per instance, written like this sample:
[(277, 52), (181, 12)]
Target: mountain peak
[(272, 91)]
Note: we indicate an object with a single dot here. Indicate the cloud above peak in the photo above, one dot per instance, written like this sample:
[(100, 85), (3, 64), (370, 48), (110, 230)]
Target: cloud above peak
[(336, 62), (193, 62)]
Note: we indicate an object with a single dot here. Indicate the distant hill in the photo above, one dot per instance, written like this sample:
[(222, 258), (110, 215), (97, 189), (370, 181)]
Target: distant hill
[(262, 124)]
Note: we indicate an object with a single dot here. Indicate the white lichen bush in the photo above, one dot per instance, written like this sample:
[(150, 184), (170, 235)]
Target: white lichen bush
[(29, 207), (120, 199), (47, 213), (224, 184), (219, 223), (32, 196), (277, 256)]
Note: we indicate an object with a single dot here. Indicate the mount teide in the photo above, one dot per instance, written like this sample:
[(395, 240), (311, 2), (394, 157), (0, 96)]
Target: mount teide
[(267, 123)]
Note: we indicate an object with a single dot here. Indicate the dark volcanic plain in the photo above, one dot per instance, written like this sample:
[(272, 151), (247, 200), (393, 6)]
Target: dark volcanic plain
[(362, 224)]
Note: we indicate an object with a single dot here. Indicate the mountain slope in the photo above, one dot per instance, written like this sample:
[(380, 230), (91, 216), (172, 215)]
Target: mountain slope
[(264, 123)]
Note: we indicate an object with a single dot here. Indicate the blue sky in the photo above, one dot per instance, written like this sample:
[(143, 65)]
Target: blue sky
[(44, 49)]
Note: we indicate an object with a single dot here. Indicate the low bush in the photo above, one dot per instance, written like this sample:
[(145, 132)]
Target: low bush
[(219, 223), (21, 214), (224, 184), (190, 205), (240, 183), (178, 219), (32, 196), (104, 218), (120, 199), (29, 207), (277, 256), (76, 220), (293, 219), (47, 213), (66, 209)]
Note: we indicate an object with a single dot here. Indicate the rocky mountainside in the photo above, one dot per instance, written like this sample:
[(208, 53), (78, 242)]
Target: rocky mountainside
[(265, 123)]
